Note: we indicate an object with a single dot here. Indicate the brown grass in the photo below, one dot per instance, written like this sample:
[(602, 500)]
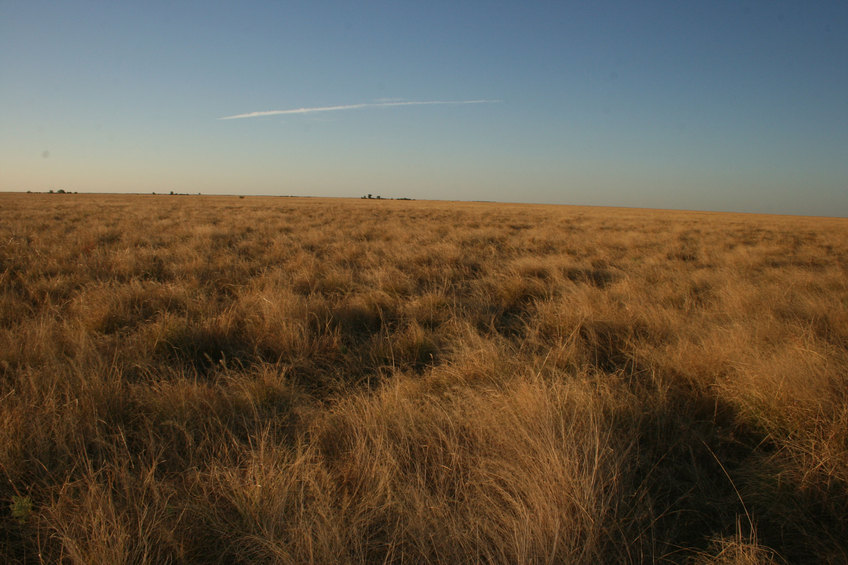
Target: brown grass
[(214, 379)]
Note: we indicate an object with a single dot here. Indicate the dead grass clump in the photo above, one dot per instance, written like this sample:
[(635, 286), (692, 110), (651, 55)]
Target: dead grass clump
[(115, 513), (738, 549), (111, 308), (449, 476), (600, 278)]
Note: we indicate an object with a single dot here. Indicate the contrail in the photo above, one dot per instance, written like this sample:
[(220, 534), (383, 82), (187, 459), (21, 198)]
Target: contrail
[(354, 107)]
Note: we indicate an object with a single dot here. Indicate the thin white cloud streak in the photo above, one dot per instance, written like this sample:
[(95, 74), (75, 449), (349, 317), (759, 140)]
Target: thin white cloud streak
[(354, 107)]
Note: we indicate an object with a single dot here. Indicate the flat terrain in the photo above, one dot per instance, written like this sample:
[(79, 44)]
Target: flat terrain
[(262, 380)]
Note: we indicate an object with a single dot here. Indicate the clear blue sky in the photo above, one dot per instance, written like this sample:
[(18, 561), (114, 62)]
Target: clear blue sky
[(717, 105)]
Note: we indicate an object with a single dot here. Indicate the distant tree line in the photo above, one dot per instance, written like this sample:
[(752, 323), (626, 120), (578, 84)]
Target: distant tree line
[(378, 197)]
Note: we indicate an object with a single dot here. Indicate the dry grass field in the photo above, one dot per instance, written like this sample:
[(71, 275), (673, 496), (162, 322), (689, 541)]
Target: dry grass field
[(193, 379)]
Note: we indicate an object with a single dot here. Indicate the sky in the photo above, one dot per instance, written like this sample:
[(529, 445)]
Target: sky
[(713, 105)]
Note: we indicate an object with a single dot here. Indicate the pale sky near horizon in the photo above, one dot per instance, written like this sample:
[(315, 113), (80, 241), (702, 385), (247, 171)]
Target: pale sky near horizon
[(737, 106)]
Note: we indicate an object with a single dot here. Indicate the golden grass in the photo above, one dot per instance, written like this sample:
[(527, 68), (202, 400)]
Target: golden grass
[(215, 379)]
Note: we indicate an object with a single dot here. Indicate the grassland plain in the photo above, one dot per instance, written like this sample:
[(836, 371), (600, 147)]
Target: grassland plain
[(194, 379)]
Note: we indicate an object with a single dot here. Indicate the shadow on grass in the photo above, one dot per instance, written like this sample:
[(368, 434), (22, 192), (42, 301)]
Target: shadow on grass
[(704, 474)]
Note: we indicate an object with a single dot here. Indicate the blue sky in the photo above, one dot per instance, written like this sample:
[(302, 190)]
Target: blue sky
[(696, 105)]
